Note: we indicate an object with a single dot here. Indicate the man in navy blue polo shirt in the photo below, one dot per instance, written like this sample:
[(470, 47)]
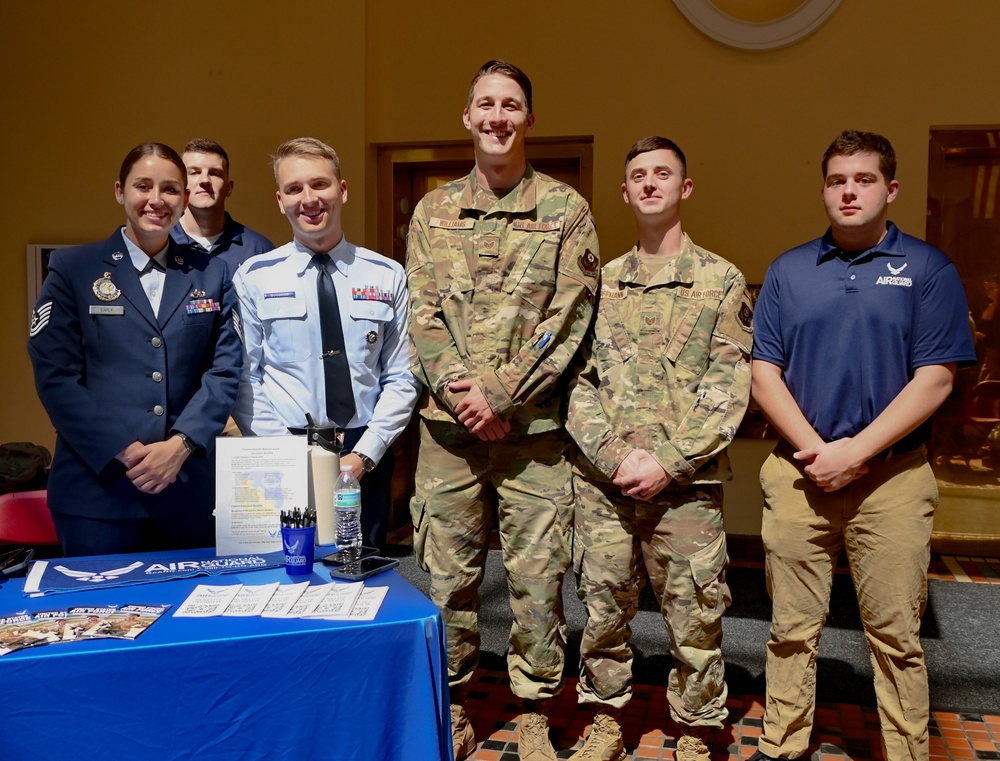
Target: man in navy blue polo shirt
[(206, 225), (857, 338)]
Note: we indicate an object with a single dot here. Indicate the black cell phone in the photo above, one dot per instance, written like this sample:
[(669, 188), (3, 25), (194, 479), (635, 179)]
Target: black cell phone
[(15, 562), (340, 557), (362, 569)]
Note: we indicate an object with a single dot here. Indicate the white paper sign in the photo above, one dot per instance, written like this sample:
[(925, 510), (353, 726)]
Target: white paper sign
[(256, 477)]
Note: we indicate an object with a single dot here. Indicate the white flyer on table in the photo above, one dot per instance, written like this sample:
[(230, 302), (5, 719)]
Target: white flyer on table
[(251, 600), (338, 600), (308, 601), (256, 477), (366, 607), (206, 601), (283, 600)]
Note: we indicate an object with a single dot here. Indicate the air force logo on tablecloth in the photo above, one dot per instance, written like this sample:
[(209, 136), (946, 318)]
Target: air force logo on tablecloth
[(74, 574), (98, 576)]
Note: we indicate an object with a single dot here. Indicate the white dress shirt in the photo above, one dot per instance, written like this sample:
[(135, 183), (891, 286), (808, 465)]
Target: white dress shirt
[(283, 373), (151, 276)]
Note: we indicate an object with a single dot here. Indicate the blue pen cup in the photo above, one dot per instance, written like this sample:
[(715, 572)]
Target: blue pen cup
[(298, 544)]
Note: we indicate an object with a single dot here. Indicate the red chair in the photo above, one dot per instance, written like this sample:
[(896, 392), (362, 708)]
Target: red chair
[(25, 519)]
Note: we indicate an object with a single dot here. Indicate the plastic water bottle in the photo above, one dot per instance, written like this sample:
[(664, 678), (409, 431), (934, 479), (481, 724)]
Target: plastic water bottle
[(347, 500)]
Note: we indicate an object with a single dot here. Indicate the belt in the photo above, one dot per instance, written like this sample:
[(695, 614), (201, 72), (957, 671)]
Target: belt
[(901, 447)]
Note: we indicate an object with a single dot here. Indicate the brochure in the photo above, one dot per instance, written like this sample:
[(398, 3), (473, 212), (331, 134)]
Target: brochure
[(131, 620)]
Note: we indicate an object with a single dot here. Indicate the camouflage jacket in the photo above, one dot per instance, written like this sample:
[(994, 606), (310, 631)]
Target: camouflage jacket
[(502, 291), (666, 367)]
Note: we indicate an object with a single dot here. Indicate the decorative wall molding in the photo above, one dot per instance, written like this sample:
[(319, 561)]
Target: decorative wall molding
[(755, 29)]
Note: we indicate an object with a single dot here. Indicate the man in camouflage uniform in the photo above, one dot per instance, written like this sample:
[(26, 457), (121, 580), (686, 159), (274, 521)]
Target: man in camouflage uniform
[(502, 266), (664, 387)]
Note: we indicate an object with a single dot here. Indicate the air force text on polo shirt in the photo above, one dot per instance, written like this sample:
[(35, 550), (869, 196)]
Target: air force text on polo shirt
[(893, 278)]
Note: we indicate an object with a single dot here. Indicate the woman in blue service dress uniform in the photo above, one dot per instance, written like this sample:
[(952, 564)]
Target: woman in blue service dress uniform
[(137, 359)]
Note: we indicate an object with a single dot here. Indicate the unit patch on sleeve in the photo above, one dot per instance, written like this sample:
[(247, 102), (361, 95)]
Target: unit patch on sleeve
[(589, 262)]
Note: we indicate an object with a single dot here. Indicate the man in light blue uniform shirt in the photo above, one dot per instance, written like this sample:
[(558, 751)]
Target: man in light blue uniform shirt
[(283, 375)]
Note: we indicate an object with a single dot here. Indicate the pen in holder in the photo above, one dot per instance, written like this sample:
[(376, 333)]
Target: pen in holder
[(298, 536)]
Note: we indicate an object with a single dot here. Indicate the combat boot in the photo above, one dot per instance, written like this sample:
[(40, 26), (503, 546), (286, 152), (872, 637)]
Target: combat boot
[(692, 745), (533, 743), (604, 743), (463, 738)]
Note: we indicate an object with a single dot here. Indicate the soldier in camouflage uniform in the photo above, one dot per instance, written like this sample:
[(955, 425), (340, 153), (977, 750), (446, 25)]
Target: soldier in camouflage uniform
[(664, 387), (502, 267)]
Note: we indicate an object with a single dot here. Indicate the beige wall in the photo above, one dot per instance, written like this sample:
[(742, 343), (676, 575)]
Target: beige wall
[(94, 79), (85, 82)]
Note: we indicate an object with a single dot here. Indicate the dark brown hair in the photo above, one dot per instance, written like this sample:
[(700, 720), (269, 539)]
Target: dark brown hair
[(150, 149), (205, 145), (656, 143), (851, 142), (508, 70)]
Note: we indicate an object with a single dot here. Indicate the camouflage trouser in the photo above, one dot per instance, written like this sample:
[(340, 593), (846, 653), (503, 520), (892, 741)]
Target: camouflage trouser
[(680, 539), (525, 481)]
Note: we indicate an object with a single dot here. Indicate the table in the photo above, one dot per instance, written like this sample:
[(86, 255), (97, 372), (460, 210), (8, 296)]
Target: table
[(216, 689)]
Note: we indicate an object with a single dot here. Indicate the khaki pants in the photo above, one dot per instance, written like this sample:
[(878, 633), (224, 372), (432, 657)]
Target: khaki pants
[(464, 485), (884, 521), (679, 538)]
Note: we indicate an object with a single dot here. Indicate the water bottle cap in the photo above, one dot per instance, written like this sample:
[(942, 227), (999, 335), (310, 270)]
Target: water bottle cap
[(346, 469)]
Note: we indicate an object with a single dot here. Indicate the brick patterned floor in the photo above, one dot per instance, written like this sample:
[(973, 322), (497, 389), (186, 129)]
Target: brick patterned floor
[(961, 568), (842, 731)]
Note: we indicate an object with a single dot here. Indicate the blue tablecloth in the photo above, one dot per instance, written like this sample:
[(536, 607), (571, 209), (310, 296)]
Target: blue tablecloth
[(231, 688)]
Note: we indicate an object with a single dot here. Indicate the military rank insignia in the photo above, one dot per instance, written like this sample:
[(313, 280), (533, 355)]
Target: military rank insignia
[(371, 293), (198, 306), (40, 318), (106, 290), (589, 262)]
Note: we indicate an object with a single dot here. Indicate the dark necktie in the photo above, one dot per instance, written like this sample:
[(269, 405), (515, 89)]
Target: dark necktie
[(337, 371)]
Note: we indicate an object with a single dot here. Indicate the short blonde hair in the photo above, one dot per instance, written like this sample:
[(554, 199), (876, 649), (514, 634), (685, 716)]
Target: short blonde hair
[(304, 146)]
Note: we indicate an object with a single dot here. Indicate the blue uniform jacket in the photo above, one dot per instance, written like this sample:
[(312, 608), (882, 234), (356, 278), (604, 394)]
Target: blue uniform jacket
[(110, 372)]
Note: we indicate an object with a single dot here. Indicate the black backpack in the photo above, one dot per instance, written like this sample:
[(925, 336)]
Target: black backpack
[(23, 466)]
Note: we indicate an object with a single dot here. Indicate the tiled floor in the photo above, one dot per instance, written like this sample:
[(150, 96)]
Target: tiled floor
[(842, 731), (961, 568)]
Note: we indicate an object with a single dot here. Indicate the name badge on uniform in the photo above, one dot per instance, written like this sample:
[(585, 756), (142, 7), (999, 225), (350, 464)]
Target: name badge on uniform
[(106, 309), (280, 295)]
